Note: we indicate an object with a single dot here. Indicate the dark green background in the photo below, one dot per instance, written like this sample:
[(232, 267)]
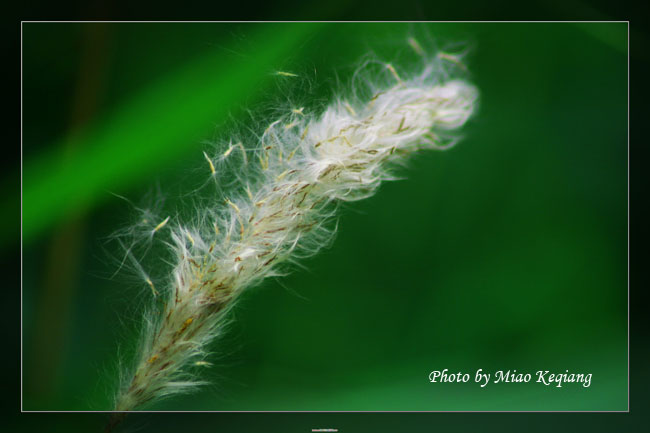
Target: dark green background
[(507, 252)]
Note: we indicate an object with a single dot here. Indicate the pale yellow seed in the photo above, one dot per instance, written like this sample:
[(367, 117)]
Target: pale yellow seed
[(392, 70), (268, 129), (304, 133), (451, 58), (290, 125), (161, 225), (293, 152), (207, 158), (416, 46), (285, 74), (349, 108), (233, 205), (264, 161), (153, 289), (283, 174)]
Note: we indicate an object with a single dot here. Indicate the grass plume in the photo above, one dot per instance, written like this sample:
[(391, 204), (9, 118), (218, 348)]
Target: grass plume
[(303, 164)]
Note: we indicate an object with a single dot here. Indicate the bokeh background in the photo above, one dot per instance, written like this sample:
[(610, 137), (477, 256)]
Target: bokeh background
[(508, 251)]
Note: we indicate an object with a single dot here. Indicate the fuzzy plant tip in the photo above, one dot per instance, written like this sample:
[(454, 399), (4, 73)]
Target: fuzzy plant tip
[(288, 185)]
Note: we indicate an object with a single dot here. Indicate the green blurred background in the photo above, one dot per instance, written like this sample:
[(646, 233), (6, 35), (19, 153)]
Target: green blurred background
[(508, 251)]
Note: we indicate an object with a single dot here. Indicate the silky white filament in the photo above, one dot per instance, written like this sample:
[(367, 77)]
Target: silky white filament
[(303, 164)]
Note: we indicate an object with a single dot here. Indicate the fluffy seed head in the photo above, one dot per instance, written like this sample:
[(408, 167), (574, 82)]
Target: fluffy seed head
[(302, 165)]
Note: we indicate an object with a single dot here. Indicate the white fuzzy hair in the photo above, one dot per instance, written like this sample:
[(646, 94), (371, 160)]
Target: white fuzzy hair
[(303, 164)]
